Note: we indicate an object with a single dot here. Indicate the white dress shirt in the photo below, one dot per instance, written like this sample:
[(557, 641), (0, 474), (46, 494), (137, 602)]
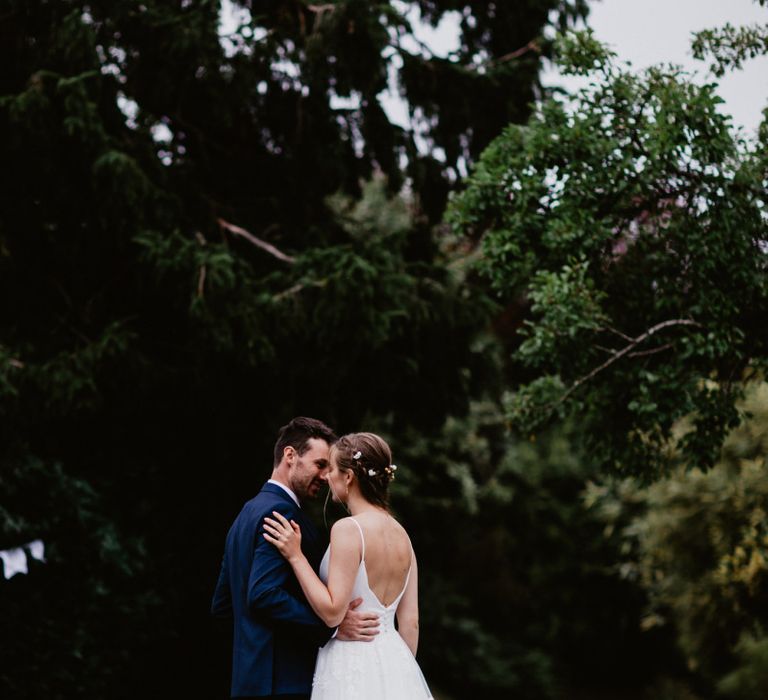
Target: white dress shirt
[(286, 489)]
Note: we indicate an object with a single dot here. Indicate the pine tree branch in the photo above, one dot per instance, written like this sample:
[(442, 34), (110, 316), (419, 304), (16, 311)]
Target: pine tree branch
[(201, 282), (201, 275), (532, 45), (268, 247), (320, 9), (291, 291)]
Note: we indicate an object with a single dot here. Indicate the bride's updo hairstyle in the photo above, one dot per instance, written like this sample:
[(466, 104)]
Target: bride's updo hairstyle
[(369, 458)]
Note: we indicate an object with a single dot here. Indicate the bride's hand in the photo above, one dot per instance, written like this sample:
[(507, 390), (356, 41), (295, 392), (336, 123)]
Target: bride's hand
[(285, 535)]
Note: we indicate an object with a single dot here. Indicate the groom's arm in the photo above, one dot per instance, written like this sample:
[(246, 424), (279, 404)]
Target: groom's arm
[(268, 594), (221, 605), (357, 626)]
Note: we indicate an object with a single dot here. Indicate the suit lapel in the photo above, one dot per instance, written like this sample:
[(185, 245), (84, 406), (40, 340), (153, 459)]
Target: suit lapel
[(276, 490), (310, 540)]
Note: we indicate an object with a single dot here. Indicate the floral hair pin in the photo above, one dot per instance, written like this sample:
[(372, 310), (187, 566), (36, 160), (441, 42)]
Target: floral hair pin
[(372, 472), (357, 455)]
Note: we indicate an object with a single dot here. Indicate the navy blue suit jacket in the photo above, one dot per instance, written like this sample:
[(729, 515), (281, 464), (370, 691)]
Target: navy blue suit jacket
[(276, 633)]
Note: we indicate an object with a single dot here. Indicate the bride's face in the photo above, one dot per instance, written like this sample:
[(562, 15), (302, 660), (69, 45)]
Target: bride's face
[(337, 480)]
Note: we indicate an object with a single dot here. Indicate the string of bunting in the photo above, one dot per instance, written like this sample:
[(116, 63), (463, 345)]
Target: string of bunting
[(15, 559)]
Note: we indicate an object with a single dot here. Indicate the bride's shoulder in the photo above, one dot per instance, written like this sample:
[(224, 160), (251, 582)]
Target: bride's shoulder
[(345, 537), (344, 527)]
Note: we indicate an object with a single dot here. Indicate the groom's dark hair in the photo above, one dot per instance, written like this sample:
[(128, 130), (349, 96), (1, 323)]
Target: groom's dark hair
[(297, 434)]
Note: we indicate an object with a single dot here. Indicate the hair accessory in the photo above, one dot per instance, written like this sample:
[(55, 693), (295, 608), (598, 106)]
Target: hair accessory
[(372, 472), (390, 471), (357, 455)]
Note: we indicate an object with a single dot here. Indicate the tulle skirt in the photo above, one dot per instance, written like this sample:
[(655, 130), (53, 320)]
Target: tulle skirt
[(383, 669)]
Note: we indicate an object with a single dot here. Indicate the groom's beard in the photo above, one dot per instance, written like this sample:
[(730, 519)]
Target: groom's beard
[(310, 491), (315, 487)]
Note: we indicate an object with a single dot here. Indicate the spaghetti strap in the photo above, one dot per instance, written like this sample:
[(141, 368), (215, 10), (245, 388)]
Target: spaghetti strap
[(407, 576), (362, 537)]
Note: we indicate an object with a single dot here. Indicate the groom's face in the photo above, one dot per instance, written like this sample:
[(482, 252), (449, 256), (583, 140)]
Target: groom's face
[(308, 472)]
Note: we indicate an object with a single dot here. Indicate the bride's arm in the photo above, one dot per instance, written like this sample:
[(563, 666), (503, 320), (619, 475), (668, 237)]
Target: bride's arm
[(329, 603), (408, 611)]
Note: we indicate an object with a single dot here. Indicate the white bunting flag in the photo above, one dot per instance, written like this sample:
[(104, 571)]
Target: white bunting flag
[(14, 562), (37, 550)]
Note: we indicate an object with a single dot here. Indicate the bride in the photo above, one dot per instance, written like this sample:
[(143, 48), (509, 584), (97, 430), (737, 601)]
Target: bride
[(370, 556)]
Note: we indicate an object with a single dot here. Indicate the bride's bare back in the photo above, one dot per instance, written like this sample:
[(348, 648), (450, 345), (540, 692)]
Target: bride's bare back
[(388, 554)]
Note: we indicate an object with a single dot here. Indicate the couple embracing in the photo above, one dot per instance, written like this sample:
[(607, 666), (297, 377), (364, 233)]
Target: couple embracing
[(288, 598)]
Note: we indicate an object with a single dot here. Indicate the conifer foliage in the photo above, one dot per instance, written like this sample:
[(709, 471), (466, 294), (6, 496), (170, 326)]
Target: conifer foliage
[(188, 257)]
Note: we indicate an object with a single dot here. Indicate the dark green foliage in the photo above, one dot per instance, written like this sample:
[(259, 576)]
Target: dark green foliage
[(72, 621), (750, 680), (521, 599), (698, 544), (729, 47), (630, 227), (188, 257)]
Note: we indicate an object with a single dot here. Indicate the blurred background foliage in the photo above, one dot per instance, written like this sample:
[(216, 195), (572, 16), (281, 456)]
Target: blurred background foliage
[(209, 227), (697, 544)]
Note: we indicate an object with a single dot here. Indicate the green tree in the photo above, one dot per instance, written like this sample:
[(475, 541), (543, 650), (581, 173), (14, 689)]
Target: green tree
[(71, 620), (730, 46), (189, 256), (517, 583), (698, 544), (750, 680), (629, 225)]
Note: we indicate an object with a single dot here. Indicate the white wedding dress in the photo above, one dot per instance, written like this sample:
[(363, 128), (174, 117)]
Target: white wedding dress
[(384, 669)]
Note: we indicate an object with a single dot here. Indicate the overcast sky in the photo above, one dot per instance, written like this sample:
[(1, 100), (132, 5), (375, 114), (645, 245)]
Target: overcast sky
[(644, 32), (654, 31)]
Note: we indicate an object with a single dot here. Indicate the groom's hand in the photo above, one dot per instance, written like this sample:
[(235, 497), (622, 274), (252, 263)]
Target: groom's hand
[(358, 626)]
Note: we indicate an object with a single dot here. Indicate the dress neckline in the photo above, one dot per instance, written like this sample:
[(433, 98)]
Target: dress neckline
[(364, 569), (376, 598)]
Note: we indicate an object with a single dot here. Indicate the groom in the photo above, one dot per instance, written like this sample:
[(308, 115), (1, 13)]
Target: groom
[(276, 633)]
